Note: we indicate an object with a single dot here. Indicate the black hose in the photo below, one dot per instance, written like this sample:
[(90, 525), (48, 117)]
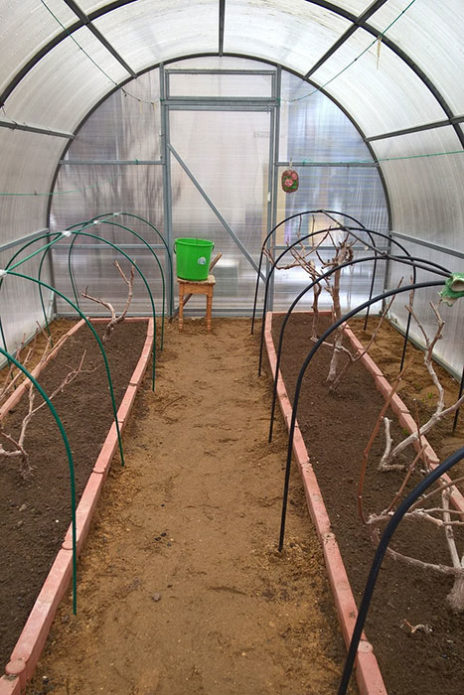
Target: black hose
[(322, 339), (379, 555)]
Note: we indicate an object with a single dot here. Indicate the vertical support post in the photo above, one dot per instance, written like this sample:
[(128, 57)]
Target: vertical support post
[(51, 270), (270, 187), (166, 157), (274, 158)]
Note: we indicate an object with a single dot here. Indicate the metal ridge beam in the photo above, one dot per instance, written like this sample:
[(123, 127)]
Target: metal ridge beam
[(428, 244), (110, 162), (326, 164), (222, 15), (417, 129), (346, 35), (12, 125), (22, 240), (88, 23)]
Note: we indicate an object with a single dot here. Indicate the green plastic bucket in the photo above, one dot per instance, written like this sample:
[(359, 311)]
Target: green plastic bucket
[(193, 258)]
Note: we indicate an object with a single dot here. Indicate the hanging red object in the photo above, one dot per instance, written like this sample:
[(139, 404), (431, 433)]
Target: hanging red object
[(290, 181)]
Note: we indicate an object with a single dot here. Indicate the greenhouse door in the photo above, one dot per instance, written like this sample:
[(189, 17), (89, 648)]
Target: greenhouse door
[(219, 155)]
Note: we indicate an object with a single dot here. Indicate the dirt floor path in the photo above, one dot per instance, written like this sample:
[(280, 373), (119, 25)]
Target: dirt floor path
[(181, 589)]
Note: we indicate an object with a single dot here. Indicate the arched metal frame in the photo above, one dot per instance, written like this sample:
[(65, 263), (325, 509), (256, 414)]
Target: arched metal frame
[(80, 232), (44, 250), (100, 345), (389, 530), (358, 22), (351, 230), (414, 262), (307, 360), (95, 221), (155, 66), (69, 456), (124, 213), (326, 94), (267, 238)]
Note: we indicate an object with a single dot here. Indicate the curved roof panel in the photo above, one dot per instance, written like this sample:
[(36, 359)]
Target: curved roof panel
[(66, 83), (363, 76), (393, 65), (279, 36), (387, 62), (431, 34), (23, 32), (143, 38)]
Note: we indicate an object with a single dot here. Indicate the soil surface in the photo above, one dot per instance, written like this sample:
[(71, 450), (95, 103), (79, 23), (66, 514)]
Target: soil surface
[(336, 428), (35, 510), (181, 589)]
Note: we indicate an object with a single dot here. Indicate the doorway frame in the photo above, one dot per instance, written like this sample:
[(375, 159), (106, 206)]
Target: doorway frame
[(270, 104)]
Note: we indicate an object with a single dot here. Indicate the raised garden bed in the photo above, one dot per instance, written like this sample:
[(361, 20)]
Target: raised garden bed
[(35, 511), (335, 429)]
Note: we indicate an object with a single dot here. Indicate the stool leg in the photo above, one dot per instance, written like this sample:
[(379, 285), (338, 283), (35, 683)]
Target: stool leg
[(181, 307), (209, 307)]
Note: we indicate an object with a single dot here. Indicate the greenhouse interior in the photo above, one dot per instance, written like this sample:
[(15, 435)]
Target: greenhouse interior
[(232, 252)]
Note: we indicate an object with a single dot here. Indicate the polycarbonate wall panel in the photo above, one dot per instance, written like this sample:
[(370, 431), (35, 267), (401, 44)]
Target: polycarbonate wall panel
[(431, 33), (354, 191), (104, 189), (274, 31), (144, 37), (23, 32), (426, 192), (20, 299), (94, 273), (377, 88), (449, 348), (227, 154), (355, 284), (314, 129), (65, 84), (214, 85), (82, 192), (123, 128), (26, 173), (357, 7)]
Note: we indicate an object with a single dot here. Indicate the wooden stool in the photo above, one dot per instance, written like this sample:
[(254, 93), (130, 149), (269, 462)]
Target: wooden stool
[(189, 287)]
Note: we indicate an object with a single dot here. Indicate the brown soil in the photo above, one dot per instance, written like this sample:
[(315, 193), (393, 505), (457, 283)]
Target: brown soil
[(336, 429), (416, 388), (181, 589), (35, 511)]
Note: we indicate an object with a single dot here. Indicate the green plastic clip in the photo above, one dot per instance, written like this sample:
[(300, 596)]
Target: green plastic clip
[(453, 289)]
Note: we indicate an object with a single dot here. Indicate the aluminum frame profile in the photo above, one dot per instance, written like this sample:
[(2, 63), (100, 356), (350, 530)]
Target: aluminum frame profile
[(88, 23)]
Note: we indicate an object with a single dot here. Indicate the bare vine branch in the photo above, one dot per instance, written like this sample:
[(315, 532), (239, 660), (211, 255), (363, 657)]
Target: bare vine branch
[(111, 325)]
